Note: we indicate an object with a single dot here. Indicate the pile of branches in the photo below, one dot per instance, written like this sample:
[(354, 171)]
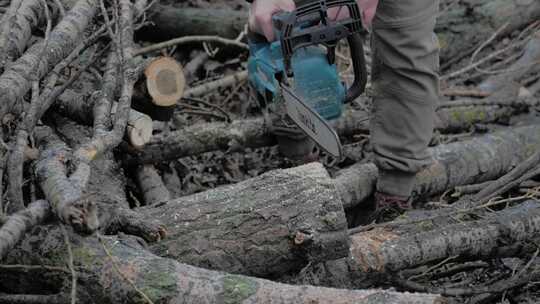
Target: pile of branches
[(136, 169)]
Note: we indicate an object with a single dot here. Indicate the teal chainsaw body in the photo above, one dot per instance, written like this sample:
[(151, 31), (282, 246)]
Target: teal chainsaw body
[(304, 57), (315, 78)]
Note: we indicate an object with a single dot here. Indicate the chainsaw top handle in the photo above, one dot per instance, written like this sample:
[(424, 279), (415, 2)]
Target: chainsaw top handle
[(309, 25)]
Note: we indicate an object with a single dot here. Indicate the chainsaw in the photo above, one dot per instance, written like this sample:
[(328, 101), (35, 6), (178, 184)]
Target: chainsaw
[(297, 72)]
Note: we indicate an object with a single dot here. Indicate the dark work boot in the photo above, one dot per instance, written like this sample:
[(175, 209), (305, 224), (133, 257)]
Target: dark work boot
[(388, 207)]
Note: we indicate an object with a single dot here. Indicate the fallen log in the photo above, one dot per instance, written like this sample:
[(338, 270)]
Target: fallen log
[(461, 29), (152, 187), (381, 249), (266, 226), (15, 81), (462, 163), (480, 159), (171, 22), (119, 270), (253, 133), (418, 239)]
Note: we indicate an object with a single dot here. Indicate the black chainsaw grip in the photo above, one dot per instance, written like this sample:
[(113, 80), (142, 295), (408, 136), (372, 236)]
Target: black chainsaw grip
[(359, 64)]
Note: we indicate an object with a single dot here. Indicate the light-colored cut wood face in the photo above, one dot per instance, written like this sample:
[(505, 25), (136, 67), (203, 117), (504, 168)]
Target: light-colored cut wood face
[(165, 81)]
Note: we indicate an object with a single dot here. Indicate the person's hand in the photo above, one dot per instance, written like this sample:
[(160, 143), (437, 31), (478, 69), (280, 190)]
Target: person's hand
[(261, 12)]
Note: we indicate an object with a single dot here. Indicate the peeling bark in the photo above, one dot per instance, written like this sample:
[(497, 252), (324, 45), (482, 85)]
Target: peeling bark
[(394, 249), (426, 240)]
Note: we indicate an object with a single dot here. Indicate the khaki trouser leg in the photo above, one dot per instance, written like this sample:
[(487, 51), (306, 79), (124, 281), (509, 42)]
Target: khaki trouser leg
[(406, 88)]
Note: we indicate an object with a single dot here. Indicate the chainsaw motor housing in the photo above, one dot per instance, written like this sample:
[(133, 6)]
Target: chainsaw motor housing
[(304, 56), (314, 77)]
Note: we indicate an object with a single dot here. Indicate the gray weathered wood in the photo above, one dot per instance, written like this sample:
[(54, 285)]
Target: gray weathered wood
[(266, 226)]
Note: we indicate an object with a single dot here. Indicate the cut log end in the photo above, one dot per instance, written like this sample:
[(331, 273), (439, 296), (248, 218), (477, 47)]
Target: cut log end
[(139, 129), (165, 81)]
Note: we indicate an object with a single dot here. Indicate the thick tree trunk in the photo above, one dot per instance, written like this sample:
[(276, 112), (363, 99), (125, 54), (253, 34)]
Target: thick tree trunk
[(384, 249), (267, 226), (16, 80), (508, 233), (172, 22), (216, 214), (504, 233), (462, 163), (253, 133), (107, 266)]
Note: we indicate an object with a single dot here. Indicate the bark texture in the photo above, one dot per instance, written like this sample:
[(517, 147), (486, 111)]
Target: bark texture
[(463, 163), (151, 184), (63, 191), (16, 226), (172, 22), (79, 107), (460, 29), (267, 226), (103, 198), (104, 277), (384, 249), (253, 133), (202, 138), (16, 80)]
